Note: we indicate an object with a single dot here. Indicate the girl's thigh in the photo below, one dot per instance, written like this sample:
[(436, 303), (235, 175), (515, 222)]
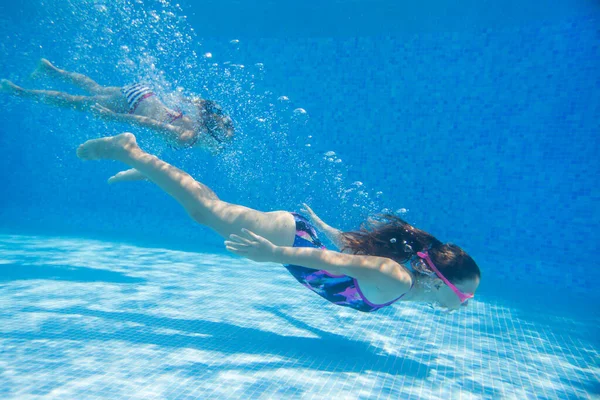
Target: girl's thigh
[(113, 100)]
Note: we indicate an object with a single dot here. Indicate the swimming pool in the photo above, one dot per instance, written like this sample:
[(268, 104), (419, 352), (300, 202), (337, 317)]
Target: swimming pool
[(481, 128)]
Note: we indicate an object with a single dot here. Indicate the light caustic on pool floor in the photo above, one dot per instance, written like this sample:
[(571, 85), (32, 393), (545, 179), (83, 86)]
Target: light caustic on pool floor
[(82, 319)]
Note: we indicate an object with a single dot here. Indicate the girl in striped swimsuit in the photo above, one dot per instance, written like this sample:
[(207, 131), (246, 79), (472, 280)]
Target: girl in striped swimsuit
[(137, 104)]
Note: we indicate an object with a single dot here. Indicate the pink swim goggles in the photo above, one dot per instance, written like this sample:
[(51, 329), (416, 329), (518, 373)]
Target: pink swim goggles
[(462, 296)]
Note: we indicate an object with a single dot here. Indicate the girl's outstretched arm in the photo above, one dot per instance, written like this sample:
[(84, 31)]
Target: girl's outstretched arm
[(257, 248), (334, 235), (174, 133)]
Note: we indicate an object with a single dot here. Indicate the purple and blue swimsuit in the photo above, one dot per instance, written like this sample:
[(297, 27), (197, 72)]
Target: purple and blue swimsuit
[(342, 290)]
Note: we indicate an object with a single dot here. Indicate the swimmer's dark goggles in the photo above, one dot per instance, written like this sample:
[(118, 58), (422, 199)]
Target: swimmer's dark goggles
[(210, 107)]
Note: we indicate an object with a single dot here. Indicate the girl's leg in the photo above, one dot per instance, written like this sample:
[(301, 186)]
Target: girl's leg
[(82, 81), (55, 98), (200, 202), (52, 97)]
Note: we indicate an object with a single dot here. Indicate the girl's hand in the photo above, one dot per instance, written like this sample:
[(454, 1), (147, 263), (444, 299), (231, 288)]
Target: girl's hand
[(251, 246), (315, 219), (103, 112), (335, 235)]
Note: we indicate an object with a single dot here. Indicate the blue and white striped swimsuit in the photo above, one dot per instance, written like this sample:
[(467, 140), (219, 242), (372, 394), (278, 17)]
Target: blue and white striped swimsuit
[(135, 94)]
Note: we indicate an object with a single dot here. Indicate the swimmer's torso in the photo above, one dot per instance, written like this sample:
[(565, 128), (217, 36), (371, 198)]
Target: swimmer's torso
[(153, 108)]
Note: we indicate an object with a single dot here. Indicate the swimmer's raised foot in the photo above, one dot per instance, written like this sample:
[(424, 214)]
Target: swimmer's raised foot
[(45, 67), (109, 148), (7, 86), (127, 176)]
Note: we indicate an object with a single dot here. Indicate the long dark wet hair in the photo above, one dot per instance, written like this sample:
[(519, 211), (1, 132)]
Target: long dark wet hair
[(211, 116), (391, 237)]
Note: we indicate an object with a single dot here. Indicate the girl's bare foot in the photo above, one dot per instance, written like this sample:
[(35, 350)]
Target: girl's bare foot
[(7, 86), (111, 148), (45, 67), (127, 176)]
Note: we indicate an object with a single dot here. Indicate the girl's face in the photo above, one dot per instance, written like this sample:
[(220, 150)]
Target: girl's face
[(213, 121), (447, 299)]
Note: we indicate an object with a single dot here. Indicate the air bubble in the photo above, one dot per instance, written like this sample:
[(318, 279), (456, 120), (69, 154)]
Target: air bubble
[(154, 16), (300, 111), (283, 98), (207, 55), (300, 116), (330, 154), (234, 41)]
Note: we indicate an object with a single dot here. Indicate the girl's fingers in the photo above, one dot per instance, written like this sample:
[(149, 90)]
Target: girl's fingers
[(239, 239), (101, 108), (252, 234), (235, 250), (308, 209), (235, 244)]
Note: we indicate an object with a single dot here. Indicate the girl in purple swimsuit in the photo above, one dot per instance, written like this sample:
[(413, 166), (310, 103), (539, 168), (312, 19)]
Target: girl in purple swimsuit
[(384, 262), (137, 104)]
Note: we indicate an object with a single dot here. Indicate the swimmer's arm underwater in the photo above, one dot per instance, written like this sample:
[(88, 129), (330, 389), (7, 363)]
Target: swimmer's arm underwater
[(336, 263), (334, 235), (174, 133), (370, 268)]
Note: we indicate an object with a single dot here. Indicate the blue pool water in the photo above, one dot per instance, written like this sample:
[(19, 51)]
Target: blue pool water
[(478, 124)]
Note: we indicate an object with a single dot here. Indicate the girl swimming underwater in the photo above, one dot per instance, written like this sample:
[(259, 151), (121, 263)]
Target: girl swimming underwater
[(382, 263), (137, 104)]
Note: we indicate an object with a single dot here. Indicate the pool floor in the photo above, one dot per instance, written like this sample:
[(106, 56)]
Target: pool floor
[(92, 319)]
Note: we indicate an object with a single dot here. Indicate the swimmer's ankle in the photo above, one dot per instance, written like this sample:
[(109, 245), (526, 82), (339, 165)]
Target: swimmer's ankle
[(7, 86), (44, 68)]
